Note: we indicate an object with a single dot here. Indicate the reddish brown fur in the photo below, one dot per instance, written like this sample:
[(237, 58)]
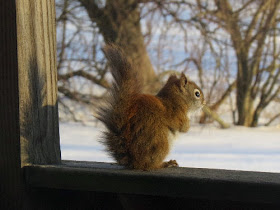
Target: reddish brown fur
[(139, 125)]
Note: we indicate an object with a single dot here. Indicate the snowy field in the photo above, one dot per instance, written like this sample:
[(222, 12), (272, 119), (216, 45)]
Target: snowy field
[(238, 148)]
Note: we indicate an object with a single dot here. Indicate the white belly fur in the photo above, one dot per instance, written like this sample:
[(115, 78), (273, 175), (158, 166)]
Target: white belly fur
[(171, 138)]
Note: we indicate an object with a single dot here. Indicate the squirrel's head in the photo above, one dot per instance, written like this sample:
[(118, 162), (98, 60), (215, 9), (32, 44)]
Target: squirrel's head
[(191, 93), (188, 91)]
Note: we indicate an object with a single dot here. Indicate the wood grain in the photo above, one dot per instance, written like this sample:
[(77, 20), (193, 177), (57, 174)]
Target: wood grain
[(36, 35)]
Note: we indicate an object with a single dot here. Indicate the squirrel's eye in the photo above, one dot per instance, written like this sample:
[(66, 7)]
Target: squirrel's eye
[(197, 93)]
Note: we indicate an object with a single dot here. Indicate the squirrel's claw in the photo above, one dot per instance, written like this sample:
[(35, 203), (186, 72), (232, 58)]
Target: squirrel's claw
[(170, 163)]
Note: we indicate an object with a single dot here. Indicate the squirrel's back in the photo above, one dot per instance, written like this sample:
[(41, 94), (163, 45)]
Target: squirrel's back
[(139, 125)]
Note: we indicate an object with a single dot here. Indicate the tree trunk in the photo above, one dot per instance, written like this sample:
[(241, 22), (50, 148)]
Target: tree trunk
[(243, 96), (119, 23), (245, 110), (255, 119)]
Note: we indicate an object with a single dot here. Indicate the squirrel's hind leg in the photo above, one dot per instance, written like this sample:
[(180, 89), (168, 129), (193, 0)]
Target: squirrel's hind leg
[(170, 163)]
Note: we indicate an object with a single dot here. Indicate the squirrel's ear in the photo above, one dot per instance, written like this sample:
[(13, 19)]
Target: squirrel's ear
[(183, 81)]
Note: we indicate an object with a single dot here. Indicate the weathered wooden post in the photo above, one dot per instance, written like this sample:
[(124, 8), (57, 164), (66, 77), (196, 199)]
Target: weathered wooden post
[(36, 37), (28, 94)]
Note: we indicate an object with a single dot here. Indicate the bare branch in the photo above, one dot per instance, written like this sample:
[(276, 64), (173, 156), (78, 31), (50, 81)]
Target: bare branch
[(214, 115), (86, 75), (272, 119)]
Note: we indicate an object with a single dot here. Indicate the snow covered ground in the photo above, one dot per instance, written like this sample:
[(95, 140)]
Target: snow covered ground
[(238, 148)]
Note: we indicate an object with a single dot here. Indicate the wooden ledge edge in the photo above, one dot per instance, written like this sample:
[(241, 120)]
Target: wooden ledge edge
[(214, 184)]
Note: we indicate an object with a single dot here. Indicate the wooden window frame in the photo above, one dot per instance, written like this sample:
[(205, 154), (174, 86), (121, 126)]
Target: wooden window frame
[(30, 149)]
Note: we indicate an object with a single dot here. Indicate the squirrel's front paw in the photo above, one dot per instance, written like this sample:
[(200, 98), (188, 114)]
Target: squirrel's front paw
[(170, 163)]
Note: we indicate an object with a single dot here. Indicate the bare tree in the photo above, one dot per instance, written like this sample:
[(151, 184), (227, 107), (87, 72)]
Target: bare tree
[(119, 23), (202, 54), (254, 40), (81, 71), (247, 29), (115, 22)]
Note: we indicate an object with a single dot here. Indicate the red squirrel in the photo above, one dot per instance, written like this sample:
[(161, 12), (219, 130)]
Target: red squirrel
[(140, 126)]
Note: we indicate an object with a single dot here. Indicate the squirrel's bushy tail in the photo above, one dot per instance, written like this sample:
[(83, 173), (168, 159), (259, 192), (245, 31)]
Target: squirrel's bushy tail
[(125, 85), (126, 81)]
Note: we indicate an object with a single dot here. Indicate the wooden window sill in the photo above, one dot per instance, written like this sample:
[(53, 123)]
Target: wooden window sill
[(211, 184)]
